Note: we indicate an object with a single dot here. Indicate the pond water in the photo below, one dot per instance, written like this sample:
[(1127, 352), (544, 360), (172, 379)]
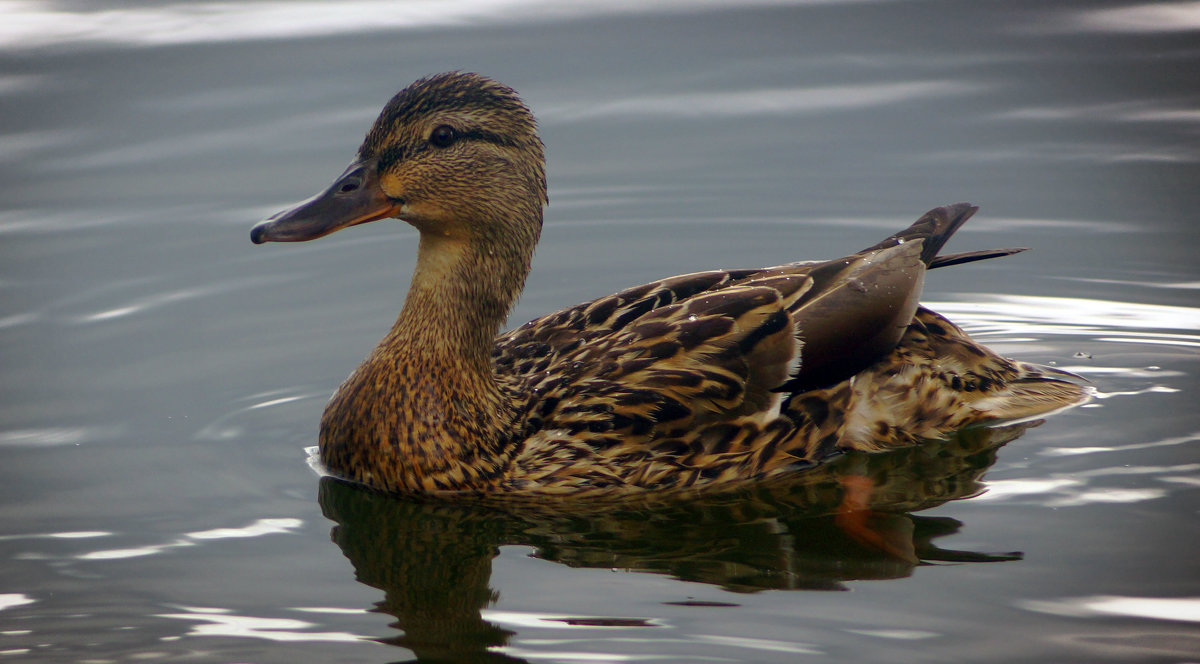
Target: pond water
[(161, 377)]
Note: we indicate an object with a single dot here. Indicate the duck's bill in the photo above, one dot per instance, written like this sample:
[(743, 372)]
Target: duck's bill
[(354, 198)]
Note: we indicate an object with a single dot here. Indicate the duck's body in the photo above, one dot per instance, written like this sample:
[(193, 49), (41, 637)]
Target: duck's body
[(704, 379)]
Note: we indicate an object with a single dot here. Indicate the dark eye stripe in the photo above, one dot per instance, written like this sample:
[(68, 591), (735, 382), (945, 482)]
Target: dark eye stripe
[(393, 155), (490, 137), (390, 156)]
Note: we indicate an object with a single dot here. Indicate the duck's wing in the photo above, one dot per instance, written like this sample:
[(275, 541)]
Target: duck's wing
[(730, 342), (859, 307), (523, 349)]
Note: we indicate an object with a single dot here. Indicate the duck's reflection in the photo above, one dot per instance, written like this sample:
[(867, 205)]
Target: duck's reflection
[(815, 531)]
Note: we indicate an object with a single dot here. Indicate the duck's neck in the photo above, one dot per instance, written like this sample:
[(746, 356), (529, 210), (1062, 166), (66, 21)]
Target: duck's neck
[(424, 412), (460, 296)]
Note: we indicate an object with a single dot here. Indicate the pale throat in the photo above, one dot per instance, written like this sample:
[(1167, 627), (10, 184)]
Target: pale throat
[(461, 291), (455, 306)]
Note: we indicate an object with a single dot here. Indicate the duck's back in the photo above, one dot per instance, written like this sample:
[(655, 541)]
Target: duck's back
[(725, 376)]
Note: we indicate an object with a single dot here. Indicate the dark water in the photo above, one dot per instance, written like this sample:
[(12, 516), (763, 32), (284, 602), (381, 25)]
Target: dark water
[(160, 376)]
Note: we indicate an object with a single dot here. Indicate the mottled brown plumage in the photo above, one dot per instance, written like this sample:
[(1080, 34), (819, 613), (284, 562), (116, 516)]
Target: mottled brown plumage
[(706, 379)]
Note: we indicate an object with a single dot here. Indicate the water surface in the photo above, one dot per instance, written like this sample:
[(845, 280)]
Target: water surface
[(160, 377)]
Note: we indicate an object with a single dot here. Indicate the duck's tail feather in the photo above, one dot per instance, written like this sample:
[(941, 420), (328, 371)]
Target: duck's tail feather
[(945, 220), (934, 228), (972, 256), (1040, 392), (939, 380)]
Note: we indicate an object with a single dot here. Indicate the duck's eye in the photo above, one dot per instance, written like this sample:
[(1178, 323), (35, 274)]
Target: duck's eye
[(443, 136)]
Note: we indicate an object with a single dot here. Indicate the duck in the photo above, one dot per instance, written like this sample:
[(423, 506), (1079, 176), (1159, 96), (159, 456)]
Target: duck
[(693, 382)]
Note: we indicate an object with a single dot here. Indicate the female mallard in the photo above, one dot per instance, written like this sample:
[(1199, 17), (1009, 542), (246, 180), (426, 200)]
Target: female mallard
[(697, 380)]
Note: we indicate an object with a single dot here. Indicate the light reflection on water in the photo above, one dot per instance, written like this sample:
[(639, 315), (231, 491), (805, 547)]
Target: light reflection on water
[(55, 436), (40, 24), (1182, 609), (223, 622), (32, 24), (1088, 320), (12, 600), (749, 103), (261, 527), (724, 648), (210, 143), (1142, 17)]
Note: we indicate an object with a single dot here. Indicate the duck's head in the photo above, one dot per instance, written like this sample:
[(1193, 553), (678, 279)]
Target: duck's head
[(456, 155)]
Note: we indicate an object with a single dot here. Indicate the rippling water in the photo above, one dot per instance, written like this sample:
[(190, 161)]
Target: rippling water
[(160, 377)]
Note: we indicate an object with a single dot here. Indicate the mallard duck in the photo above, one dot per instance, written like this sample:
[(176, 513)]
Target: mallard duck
[(700, 380)]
